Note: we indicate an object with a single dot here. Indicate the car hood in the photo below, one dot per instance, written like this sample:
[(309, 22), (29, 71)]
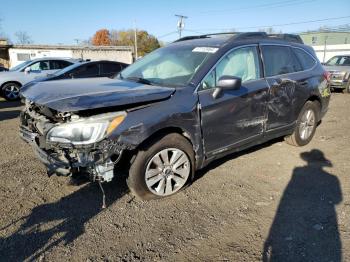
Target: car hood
[(84, 94), (337, 68)]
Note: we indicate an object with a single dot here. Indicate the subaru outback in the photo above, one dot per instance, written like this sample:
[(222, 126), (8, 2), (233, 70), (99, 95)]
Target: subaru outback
[(177, 109)]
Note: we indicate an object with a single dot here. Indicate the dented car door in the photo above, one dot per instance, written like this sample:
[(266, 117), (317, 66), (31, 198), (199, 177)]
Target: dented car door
[(235, 117)]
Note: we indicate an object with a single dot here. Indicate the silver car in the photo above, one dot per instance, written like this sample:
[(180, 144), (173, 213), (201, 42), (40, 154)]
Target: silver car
[(339, 69), (12, 80)]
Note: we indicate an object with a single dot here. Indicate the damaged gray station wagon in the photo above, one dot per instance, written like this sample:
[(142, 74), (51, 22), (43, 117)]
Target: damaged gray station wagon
[(177, 109)]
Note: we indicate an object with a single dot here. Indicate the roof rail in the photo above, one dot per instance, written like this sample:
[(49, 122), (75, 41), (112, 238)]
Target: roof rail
[(204, 36), (288, 37), (248, 35)]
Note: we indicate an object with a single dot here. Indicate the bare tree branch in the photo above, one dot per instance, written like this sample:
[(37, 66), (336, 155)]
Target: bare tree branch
[(23, 38)]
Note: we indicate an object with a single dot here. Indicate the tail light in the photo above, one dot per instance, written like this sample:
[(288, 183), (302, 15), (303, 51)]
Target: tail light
[(327, 76)]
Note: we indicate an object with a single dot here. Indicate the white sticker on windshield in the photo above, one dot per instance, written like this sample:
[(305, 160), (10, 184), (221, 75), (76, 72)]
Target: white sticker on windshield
[(203, 49)]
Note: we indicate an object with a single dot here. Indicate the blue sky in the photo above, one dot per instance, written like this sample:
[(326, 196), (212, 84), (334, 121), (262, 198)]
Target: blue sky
[(52, 22)]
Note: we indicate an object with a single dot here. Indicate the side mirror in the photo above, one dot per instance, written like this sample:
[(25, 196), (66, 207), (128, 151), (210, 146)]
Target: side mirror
[(227, 83), (27, 70)]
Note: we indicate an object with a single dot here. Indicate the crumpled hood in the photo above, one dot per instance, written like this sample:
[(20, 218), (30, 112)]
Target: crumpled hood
[(83, 94)]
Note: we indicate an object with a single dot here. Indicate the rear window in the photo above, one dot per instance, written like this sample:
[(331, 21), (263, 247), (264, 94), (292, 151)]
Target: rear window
[(306, 60), (110, 68), (279, 60)]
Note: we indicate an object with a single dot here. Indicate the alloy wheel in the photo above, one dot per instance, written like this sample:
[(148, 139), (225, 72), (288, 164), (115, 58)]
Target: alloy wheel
[(11, 92), (307, 124), (167, 171)]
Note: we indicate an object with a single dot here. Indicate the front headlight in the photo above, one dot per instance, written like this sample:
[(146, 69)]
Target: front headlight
[(83, 132)]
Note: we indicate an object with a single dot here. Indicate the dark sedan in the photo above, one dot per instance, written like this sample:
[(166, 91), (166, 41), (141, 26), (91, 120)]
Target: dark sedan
[(87, 69)]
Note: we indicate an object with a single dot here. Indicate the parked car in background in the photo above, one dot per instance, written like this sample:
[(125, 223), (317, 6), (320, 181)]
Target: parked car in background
[(3, 69), (87, 69), (12, 80), (339, 69), (177, 109)]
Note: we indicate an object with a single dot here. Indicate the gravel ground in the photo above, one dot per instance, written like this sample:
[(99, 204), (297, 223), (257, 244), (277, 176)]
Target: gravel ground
[(273, 202)]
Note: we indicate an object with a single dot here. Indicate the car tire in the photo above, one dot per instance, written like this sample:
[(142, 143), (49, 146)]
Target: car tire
[(10, 91), (162, 167), (306, 124)]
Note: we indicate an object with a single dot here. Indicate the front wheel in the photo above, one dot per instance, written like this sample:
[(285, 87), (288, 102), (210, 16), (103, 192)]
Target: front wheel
[(306, 125), (10, 91), (161, 168)]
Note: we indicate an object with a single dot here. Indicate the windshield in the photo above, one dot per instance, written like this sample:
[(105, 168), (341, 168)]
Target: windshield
[(17, 67), (169, 66), (339, 61)]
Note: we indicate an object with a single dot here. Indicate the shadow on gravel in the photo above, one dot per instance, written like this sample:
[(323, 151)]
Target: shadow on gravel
[(60, 222), (305, 226), (8, 104), (6, 115)]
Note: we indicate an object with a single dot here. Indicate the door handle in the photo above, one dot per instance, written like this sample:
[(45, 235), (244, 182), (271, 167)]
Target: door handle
[(279, 81)]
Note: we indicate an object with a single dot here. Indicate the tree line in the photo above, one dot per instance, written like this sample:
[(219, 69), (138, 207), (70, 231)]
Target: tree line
[(145, 42)]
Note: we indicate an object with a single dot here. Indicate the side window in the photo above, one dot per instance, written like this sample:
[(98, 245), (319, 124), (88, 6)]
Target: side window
[(279, 60), (242, 62), (40, 66), (304, 58), (58, 64), (109, 69), (86, 71)]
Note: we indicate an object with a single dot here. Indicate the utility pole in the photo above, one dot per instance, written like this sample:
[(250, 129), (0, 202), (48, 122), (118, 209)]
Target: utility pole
[(181, 23), (325, 48), (135, 35)]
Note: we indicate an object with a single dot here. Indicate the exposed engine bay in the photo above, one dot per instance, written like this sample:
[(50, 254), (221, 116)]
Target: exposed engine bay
[(96, 160)]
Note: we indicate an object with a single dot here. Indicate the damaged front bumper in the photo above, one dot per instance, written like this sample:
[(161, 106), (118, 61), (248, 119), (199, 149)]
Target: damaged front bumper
[(97, 160)]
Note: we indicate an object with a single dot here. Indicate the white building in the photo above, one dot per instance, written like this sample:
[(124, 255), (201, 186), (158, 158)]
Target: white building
[(20, 53)]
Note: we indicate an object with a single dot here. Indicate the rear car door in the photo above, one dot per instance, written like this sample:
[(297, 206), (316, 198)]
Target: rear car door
[(288, 85), (236, 116), (110, 69)]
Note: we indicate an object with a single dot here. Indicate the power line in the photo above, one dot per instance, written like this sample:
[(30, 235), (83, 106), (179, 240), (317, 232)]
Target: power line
[(162, 36), (269, 5), (286, 24)]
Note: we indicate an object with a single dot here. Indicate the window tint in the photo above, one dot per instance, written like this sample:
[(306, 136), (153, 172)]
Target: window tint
[(58, 64), (242, 62), (339, 60), (279, 60), (109, 69), (86, 71), (304, 58), (40, 66)]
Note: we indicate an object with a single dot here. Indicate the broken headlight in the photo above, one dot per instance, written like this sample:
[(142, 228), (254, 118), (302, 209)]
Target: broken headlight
[(83, 132)]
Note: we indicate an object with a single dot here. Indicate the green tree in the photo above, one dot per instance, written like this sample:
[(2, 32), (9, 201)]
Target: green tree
[(145, 42)]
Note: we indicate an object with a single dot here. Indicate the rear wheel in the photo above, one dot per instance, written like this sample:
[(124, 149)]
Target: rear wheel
[(10, 91), (306, 125), (161, 168)]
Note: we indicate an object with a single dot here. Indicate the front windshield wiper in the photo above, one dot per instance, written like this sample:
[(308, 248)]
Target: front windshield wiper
[(139, 80)]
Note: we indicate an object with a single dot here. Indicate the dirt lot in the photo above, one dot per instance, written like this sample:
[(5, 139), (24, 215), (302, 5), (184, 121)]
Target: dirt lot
[(273, 201)]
